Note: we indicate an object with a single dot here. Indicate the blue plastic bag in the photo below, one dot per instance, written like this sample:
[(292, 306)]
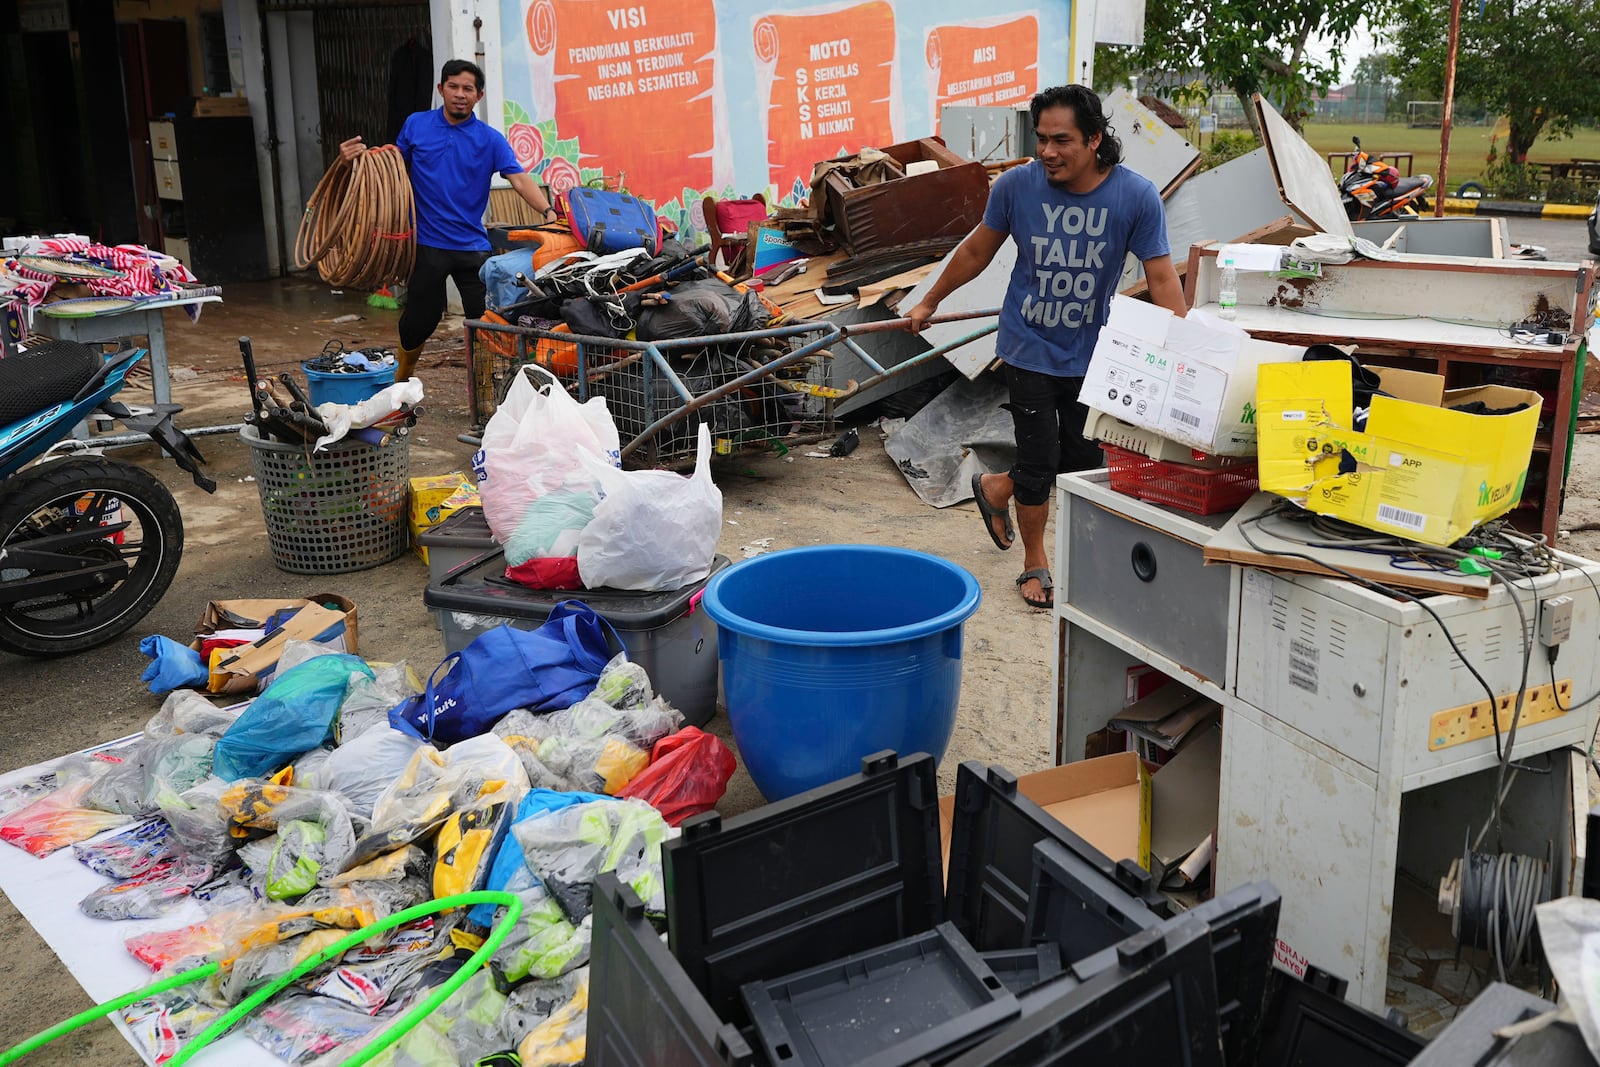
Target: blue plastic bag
[(546, 669), (294, 714)]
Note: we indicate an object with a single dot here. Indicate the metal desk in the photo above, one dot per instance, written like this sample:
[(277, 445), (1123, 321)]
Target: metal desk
[(141, 321)]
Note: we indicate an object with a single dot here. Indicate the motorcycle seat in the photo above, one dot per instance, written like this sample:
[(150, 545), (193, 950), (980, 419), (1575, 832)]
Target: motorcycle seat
[(1404, 186), (43, 375)]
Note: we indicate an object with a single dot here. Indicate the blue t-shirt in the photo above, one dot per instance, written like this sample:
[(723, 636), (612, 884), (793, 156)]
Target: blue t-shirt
[(451, 167), (1070, 251)]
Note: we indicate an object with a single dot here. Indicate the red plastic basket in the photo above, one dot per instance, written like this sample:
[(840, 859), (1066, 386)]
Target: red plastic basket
[(1200, 490)]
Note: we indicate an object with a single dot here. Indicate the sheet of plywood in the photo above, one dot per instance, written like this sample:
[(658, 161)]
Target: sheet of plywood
[(1233, 544), (1302, 175), (1149, 146)]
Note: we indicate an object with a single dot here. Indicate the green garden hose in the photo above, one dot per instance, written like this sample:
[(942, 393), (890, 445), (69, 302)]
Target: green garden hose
[(388, 1036)]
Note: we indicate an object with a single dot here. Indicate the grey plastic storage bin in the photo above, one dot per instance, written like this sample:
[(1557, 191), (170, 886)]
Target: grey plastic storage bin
[(665, 633), (462, 536)]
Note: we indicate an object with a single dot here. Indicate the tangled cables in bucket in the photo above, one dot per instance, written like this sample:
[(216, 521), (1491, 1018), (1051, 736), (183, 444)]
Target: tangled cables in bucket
[(359, 226)]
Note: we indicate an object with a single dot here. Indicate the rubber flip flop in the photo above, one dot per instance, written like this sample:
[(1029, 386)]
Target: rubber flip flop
[(1043, 575), (989, 512)]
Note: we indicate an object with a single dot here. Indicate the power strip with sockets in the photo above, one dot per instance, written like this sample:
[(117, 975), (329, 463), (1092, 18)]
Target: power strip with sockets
[(1472, 722)]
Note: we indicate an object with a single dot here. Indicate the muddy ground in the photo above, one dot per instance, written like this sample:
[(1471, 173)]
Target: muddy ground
[(59, 706)]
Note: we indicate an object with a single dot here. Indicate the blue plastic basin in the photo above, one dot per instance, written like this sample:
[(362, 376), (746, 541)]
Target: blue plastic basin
[(832, 653), (325, 388)]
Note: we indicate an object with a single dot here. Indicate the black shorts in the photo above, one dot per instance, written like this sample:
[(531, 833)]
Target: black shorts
[(1048, 422)]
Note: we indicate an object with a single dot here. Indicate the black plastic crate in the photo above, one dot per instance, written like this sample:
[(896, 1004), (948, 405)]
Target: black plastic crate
[(1074, 905), (1244, 936), (991, 858), (1151, 999), (642, 1007), (886, 1007), (831, 872), (1309, 1024), (1021, 969)]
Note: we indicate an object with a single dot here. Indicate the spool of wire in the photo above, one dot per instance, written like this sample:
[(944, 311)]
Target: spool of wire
[(1495, 897)]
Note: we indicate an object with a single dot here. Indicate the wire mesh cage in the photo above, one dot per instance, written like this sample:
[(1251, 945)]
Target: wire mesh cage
[(342, 509), (758, 391)]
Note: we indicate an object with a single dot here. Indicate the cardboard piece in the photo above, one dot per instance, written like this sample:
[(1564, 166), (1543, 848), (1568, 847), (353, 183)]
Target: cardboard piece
[(1192, 380), (434, 499), (248, 668), (1183, 809), (1419, 471), (1105, 801), (1166, 717)]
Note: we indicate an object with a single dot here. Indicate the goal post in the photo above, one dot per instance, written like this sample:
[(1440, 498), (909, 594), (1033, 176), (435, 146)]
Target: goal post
[(1427, 113)]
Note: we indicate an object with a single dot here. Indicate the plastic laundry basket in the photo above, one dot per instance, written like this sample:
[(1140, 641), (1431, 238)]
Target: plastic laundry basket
[(338, 510)]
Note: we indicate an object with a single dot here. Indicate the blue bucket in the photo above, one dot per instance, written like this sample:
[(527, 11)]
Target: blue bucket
[(832, 653), (325, 388)]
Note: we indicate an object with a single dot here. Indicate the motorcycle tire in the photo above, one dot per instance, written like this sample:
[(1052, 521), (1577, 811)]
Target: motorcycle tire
[(54, 498), (1424, 204)]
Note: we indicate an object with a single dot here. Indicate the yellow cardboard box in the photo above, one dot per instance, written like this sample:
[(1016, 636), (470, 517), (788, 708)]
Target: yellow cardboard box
[(1420, 470), (436, 498)]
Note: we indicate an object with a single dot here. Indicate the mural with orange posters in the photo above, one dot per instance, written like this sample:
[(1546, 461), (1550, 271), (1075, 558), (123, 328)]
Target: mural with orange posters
[(983, 63), (634, 80), (827, 77)]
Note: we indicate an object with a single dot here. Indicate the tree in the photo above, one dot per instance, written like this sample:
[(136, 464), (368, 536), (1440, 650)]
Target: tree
[(1533, 61), (1248, 47)]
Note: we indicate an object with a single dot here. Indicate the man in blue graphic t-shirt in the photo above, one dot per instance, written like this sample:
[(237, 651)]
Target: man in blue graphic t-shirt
[(451, 157), (1075, 213)]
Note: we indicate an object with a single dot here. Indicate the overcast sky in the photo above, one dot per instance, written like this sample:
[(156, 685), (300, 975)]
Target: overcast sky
[(1361, 43)]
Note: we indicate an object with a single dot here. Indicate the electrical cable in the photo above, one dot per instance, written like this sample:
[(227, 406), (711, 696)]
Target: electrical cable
[(359, 226), (379, 1042)]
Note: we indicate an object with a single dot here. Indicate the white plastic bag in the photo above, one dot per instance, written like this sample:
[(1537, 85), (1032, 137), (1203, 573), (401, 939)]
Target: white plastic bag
[(652, 529), (531, 447), (340, 419)]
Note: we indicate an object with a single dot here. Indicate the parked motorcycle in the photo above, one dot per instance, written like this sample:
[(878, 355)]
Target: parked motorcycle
[(1371, 189), (87, 545)]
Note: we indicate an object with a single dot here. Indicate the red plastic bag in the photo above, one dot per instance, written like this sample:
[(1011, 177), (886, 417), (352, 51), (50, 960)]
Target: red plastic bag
[(688, 773), (555, 572)]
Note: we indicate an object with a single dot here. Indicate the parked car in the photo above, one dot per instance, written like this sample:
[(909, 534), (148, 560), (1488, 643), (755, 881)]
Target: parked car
[(1594, 229)]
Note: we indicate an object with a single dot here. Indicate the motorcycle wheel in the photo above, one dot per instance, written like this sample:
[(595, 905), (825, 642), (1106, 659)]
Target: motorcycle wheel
[(64, 496), (1423, 204)]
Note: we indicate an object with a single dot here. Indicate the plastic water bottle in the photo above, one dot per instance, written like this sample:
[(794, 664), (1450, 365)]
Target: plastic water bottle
[(1228, 293)]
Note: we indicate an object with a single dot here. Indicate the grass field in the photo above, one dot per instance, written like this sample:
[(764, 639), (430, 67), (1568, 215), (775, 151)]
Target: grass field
[(1469, 145)]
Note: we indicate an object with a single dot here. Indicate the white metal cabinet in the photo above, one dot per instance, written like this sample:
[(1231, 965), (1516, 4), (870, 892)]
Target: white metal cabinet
[(1330, 774)]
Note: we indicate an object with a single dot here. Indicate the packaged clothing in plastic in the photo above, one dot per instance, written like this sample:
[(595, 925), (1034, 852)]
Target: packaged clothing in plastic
[(532, 1002), (508, 862), (568, 849), (689, 772), (148, 895), (178, 949), (488, 759), (466, 843), (130, 852), (310, 836), (299, 1027), (199, 825), (653, 529), (623, 684), (531, 446), (545, 943), (591, 746), (412, 807), (187, 712), (368, 700), (344, 908), (407, 861), (255, 968), (460, 1031), (367, 977), (160, 1025), (561, 1040), (293, 714), (56, 820), (363, 767), (228, 892)]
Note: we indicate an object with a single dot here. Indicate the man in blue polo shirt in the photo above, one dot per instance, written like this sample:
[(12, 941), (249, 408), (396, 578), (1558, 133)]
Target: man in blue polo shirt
[(452, 157), (1075, 213)]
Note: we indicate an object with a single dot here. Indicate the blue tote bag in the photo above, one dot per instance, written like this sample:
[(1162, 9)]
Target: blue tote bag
[(546, 669)]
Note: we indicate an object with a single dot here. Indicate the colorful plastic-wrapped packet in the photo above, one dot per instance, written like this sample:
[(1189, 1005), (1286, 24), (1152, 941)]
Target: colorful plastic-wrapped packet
[(560, 1041), (56, 820), (162, 950), (128, 853), (149, 895), (161, 1024)]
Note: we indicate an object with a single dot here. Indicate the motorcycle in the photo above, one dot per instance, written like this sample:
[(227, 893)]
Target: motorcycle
[(87, 545), (1371, 189)]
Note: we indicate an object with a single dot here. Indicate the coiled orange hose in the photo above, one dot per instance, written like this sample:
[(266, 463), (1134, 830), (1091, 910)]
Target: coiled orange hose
[(360, 224)]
